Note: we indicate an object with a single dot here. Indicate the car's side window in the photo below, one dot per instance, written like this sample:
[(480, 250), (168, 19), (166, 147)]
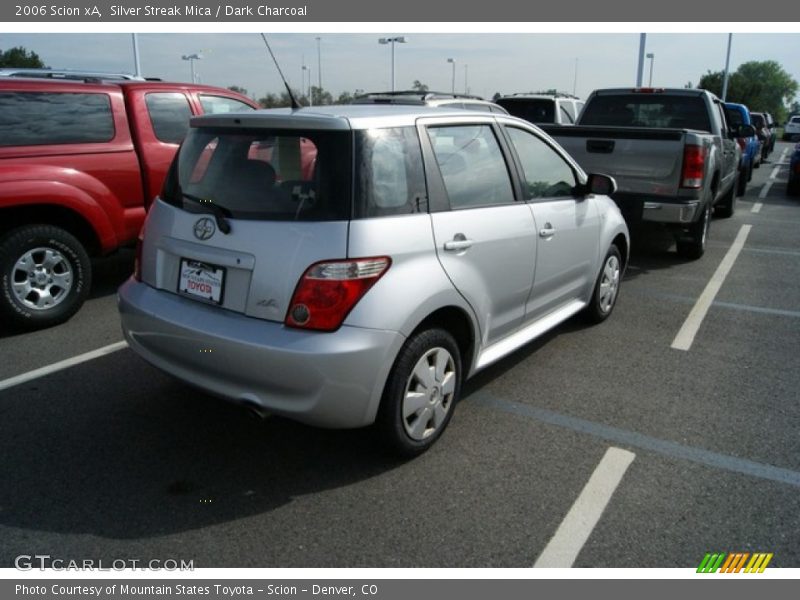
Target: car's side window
[(472, 165), (213, 105), (169, 114), (545, 173)]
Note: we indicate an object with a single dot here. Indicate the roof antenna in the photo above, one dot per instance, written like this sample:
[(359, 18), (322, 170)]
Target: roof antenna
[(295, 104)]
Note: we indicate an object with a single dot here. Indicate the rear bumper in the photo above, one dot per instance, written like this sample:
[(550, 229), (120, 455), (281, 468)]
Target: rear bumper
[(657, 209), (324, 379)]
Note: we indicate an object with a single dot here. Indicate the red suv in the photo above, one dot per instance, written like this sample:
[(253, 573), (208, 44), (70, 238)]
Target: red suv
[(80, 161)]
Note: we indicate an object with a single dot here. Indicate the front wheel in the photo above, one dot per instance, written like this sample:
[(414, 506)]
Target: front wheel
[(421, 392), (45, 276), (606, 288)]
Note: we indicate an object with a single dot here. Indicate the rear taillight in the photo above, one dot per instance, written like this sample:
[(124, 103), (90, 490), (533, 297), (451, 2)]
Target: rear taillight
[(694, 162), (137, 262), (329, 290)]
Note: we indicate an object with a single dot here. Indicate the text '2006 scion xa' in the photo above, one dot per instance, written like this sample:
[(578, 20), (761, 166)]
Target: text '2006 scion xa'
[(351, 265)]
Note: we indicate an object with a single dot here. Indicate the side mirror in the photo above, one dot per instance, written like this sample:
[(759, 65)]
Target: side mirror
[(599, 184), (745, 131)]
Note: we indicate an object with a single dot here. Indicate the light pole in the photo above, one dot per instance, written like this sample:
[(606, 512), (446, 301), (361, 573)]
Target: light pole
[(191, 58), (575, 79), (727, 67), (652, 57), (319, 64), (640, 68), (398, 39), (453, 62), (466, 87)]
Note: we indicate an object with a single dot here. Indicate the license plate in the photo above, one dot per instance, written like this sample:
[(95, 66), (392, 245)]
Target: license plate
[(201, 281)]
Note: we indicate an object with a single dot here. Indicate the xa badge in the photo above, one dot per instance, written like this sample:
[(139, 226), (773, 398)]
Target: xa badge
[(204, 229)]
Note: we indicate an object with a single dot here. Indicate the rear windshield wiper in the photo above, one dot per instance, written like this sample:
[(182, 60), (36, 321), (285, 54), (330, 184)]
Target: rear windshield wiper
[(219, 213)]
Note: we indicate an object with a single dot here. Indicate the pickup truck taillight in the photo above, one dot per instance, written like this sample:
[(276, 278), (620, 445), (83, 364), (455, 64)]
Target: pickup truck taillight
[(694, 162), (742, 143), (329, 290)]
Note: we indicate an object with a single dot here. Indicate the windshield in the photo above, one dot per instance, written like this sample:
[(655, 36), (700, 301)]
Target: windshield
[(533, 110), (647, 110), (266, 175)]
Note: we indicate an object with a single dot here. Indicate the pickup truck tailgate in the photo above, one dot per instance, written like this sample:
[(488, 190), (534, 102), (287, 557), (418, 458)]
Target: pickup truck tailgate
[(643, 161)]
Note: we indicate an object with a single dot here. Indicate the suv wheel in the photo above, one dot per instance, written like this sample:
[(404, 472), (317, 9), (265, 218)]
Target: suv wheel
[(741, 182), (44, 276), (606, 289), (421, 392), (694, 245)]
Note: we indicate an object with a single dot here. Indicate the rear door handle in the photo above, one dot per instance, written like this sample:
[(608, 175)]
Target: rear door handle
[(458, 243), (547, 231)]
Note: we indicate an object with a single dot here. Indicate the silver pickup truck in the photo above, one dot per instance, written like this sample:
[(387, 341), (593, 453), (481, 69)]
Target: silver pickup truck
[(671, 151)]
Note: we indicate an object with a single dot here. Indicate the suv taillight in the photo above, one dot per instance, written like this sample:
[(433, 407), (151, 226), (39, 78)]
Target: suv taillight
[(329, 290), (694, 162)]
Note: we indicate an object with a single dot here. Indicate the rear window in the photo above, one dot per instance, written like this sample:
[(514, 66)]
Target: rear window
[(265, 175), (647, 110), (534, 110), (734, 117), (758, 120), (38, 118)]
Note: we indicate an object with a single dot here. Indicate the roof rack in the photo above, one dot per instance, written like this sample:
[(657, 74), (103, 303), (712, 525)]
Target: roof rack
[(71, 74), (555, 93), (417, 95)]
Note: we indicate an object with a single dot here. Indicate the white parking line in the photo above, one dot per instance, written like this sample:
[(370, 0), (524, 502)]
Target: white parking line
[(763, 194), (685, 337), (577, 526), (64, 364), (778, 166)]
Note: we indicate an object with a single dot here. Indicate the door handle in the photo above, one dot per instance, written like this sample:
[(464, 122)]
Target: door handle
[(547, 231), (458, 243)]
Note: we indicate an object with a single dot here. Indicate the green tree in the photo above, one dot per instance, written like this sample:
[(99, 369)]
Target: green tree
[(269, 101), (20, 57), (238, 89), (761, 85), (345, 98), (320, 96)]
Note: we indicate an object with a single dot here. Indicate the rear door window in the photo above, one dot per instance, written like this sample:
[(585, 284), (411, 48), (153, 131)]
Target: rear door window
[(472, 165), (38, 118), (545, 173), (169, 115)]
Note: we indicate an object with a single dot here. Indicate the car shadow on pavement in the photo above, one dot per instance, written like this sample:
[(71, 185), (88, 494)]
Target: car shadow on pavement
[(129, 453), (652, 249), (110, 272)]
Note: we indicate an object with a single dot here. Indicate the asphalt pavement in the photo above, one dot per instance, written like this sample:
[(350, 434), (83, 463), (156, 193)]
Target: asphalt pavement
[(111, 458)]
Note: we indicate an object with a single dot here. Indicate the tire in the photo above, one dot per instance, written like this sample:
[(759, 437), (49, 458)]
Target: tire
[(727, 206), (606, 288), (750, 172), (45, 275), (793, 187), (693, 246), (421, 393), (741, 183)]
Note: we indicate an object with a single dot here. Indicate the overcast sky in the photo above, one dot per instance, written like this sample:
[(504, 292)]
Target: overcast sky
[(504, 63)]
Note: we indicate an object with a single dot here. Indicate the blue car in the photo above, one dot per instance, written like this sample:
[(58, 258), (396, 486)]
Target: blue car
[(793, 185), (739, 114)]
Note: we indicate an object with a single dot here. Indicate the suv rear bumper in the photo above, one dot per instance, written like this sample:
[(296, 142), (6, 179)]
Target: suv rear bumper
[(323, 379)]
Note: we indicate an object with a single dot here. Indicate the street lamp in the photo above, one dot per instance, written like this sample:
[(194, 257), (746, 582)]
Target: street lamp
[(191, 58), (651, 56), (466, 87), (319, 64), (392, 40), (453, 62)]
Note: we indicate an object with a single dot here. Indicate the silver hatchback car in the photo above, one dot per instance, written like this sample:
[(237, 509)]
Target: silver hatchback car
[(350, 265)]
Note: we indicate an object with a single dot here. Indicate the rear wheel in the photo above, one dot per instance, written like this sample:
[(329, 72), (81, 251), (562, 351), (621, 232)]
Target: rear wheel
[(45, 276), (693, 244), (421, 392)]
